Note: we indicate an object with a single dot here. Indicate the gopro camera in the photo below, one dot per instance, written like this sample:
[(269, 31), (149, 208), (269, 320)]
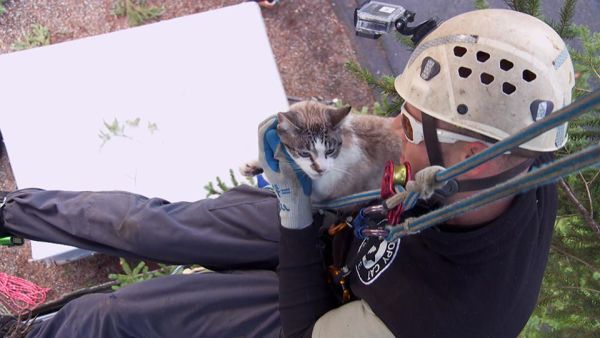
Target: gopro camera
[(374, 18)]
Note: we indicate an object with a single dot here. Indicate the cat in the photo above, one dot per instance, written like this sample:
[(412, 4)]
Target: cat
[(342, 153)]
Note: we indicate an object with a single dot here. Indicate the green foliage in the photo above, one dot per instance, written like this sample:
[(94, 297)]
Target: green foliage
[(221, 187), (564, 27), (38, 36), (137, 12), (389, 101), (481, 4), (2, 8), (377, 108), (112, 129), (139, 273), (117, 129), (531, 7), (586, 60), (406, 41)]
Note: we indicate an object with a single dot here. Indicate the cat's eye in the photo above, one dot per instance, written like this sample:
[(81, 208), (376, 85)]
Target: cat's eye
[(330, 152), (304, 154)]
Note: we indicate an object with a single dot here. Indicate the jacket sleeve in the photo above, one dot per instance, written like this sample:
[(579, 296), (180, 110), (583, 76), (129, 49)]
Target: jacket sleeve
[(304, 295), (239, 229)]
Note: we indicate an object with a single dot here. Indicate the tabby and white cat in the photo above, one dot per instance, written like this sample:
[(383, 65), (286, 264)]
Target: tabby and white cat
[(342, 153)]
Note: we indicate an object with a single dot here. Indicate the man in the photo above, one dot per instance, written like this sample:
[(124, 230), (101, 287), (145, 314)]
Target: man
[(476, 79)]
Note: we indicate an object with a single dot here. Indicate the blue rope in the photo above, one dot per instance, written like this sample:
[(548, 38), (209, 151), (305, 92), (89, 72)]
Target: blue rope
[(349, 200), (553, 120), (544, 175)]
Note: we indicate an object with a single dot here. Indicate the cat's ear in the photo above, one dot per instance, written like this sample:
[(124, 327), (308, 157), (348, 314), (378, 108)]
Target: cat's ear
[(287, 122), (336, 116)]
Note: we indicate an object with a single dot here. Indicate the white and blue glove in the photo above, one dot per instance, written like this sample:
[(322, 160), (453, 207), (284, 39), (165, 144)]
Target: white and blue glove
[(291, 185)]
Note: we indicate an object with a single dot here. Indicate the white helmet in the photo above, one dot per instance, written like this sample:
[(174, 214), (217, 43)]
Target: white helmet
[(493, 72)]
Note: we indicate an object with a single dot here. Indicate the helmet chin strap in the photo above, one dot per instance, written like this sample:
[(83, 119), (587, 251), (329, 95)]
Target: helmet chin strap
[(434, 153)]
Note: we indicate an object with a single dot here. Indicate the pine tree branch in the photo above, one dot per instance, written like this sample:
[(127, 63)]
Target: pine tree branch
[(577, 288), (481, 4), (566, 15), (580, 208), (586, 184), (594, 178), (570, 255)]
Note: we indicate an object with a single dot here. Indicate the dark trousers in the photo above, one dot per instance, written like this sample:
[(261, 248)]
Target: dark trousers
[(235, 235)]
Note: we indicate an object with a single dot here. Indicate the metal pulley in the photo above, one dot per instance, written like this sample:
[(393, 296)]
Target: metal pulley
[(393, 176)]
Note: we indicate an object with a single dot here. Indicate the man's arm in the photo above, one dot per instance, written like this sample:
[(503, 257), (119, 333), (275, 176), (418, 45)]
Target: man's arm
[(304, 295), (239, 229)]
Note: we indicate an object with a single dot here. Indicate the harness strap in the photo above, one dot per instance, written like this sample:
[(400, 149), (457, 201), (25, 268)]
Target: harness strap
[(488, 182), (432, 144)]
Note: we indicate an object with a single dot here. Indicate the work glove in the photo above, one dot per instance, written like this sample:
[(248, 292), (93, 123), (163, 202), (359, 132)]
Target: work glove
[(291, 185)]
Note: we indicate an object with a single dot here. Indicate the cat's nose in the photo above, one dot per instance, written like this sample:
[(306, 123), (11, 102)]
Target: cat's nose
[(316, 168)]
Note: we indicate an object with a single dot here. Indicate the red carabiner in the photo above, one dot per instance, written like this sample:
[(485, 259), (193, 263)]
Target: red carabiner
[(392, 176)]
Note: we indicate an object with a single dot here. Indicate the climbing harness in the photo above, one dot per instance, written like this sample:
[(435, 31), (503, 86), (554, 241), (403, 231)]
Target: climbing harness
[(400, 192)]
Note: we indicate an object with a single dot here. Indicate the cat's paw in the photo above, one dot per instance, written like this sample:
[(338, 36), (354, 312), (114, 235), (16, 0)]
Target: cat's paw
[(251, 169)]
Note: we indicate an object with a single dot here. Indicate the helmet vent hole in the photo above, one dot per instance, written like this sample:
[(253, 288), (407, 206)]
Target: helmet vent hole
[(506, 65), (462, 109), (482, 56), (486, 78), (464, 72), (460, 51), (508, 88), (528, 75)]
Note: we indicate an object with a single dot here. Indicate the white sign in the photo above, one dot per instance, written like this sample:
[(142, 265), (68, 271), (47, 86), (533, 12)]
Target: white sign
[(159, 110)]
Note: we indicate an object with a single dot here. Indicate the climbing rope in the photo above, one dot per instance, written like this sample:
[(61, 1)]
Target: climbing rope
[(538, 177), (553, 120), (354, 199), (19, 295)]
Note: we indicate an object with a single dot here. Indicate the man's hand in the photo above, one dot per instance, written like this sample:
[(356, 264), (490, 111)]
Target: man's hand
[(291, 185)]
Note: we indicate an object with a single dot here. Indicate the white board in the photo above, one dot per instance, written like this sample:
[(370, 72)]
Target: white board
[(197, 85)]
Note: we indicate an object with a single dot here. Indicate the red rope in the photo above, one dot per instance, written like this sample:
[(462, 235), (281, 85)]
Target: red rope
[(20, 295)]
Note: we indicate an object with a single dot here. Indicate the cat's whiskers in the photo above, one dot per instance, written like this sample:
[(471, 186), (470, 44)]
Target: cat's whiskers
[(343, 171)]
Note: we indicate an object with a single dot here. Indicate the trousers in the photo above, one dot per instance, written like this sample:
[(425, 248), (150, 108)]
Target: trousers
[(235, 235)]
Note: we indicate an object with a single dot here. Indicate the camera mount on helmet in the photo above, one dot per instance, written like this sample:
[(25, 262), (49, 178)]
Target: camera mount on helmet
[(374, 18)]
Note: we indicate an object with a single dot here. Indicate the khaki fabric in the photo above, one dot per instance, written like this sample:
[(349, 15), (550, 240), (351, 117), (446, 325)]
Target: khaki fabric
[(355, 319)]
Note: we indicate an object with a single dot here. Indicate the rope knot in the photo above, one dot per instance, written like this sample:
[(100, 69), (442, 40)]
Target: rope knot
[(424, 183), (422, 187)]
